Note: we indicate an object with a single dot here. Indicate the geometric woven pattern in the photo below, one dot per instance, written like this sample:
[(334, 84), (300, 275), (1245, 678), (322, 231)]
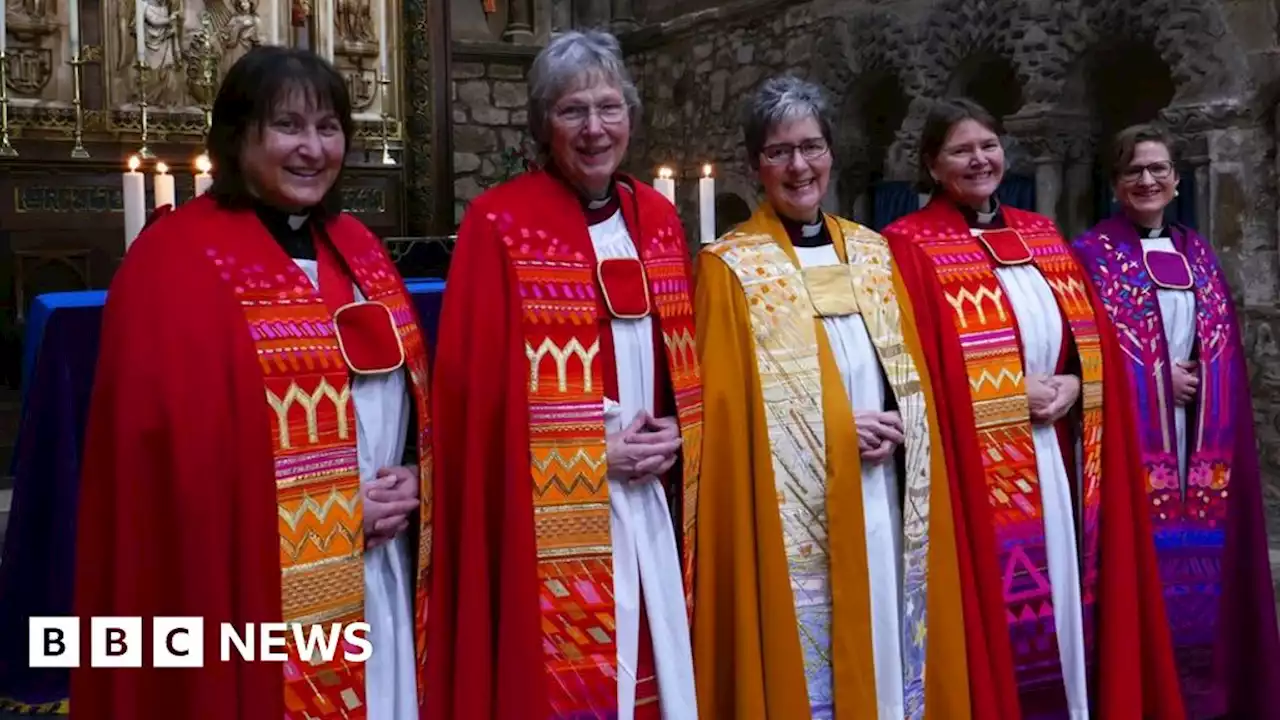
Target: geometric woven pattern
[(987, 330), (562, 312), (308, 393), (1189, 524)]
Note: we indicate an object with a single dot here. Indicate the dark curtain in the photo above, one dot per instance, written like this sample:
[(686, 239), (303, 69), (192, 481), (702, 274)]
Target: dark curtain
[(1017, 191), (891, 200)]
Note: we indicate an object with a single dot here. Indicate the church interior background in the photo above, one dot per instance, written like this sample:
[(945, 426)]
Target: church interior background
[(443, 117)]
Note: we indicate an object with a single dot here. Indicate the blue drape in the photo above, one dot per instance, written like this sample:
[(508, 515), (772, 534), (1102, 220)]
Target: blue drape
[(890, 201), (1017, 191)]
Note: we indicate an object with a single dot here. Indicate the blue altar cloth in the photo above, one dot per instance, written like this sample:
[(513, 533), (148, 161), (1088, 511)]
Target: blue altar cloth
[(59, 356)]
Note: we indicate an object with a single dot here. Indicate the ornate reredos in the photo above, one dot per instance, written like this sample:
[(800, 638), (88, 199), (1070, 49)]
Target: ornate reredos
[(188, 47)]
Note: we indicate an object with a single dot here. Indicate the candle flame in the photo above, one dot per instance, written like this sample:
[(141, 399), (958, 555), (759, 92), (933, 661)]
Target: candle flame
[(664, 173), (203, 164), (134, 163), (161, 168), (706, 170)]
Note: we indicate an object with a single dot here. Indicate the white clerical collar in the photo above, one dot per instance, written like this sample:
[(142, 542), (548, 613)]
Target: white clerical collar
[(297, 221)]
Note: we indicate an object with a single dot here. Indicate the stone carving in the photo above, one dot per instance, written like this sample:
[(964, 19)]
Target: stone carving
[(163, 83), (423, 218), (957, 29), (29, 70), (1191, 37), (354, 19)]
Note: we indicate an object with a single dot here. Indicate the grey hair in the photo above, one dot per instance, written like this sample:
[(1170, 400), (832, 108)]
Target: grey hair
[(569, 61), (777, 100)]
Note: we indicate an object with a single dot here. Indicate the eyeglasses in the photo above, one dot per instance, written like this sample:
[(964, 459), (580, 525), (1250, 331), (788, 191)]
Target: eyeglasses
[(1159, 171), (577, 115), (783, 152)]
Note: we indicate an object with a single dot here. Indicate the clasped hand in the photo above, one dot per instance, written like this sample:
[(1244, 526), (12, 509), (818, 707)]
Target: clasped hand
[(388, 502), (1051, 397), (647, 447), (1186, 381), (879, 433)]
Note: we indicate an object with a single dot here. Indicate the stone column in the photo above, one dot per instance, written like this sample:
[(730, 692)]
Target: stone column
[(519, 22), (624, 19), (1048, 185)]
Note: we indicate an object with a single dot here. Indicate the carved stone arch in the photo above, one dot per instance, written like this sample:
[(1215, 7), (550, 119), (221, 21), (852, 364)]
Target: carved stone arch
[(851, 47), (1193, 38), (958, 29)]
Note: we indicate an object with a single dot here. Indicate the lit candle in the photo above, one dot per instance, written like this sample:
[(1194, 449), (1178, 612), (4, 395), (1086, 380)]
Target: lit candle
[(135, 202), (203, 179), (140, 24), (73, 26), (666, 184), (163, 186), (707, 205)]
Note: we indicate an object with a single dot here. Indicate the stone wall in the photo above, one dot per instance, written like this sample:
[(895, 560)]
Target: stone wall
[(1054, 64), (490, 122)]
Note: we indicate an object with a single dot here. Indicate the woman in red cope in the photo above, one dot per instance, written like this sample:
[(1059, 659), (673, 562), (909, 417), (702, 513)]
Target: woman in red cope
[(569, 419), (1033, 398), (260, 377), (1167, 296)]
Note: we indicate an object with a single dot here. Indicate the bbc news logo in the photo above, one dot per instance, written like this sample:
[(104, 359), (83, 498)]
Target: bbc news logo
[(178, 642)]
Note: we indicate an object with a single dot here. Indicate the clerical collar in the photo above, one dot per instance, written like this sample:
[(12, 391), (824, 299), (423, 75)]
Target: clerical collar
[(812, 234), (598, 211), (983, 219), (1145, 232), (292, 232)]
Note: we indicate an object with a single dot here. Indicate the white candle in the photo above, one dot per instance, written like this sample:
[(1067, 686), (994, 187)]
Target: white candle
[(140, 23), (2, 27), (666, 184), (135, 202), (163, 186), (73, 26), (707, 205), (384, 41), (203, 179), (327, 38)]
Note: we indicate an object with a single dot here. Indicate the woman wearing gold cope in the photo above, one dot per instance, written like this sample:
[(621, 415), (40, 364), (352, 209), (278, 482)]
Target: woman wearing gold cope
[(825, 538)]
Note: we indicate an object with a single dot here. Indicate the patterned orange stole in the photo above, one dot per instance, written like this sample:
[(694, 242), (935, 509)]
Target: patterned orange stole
[(308, 391), (559, 287), (987, 329)]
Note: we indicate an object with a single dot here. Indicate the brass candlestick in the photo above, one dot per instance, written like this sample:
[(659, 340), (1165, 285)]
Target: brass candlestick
[(384, 82), (6, 150), (144, 152), (78, 151)]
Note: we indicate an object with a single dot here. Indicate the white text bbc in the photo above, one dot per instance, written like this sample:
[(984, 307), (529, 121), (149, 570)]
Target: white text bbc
[(178, 642)]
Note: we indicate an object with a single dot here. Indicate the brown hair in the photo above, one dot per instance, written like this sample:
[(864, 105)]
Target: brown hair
[(944, 115), (1125, 143)]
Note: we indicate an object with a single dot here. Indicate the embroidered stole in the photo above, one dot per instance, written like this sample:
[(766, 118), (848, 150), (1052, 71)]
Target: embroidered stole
[(1189, 526), (561, 309), (308, 391), (988, 334), (787, 349)]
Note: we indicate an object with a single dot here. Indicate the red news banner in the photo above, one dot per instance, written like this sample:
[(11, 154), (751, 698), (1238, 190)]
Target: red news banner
[(179, 642)]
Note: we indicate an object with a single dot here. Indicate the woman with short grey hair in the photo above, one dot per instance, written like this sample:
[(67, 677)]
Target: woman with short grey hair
[(799, 315), (553, 365)]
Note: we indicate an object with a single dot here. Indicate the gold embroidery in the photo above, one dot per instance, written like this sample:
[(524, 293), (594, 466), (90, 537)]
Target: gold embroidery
[(562, 362), (683, 347), (965, 295), (309, 403), (831, 290)]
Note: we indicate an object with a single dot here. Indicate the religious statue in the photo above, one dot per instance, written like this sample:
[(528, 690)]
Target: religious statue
[(162, 43), (240, 30), (355, 21)]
